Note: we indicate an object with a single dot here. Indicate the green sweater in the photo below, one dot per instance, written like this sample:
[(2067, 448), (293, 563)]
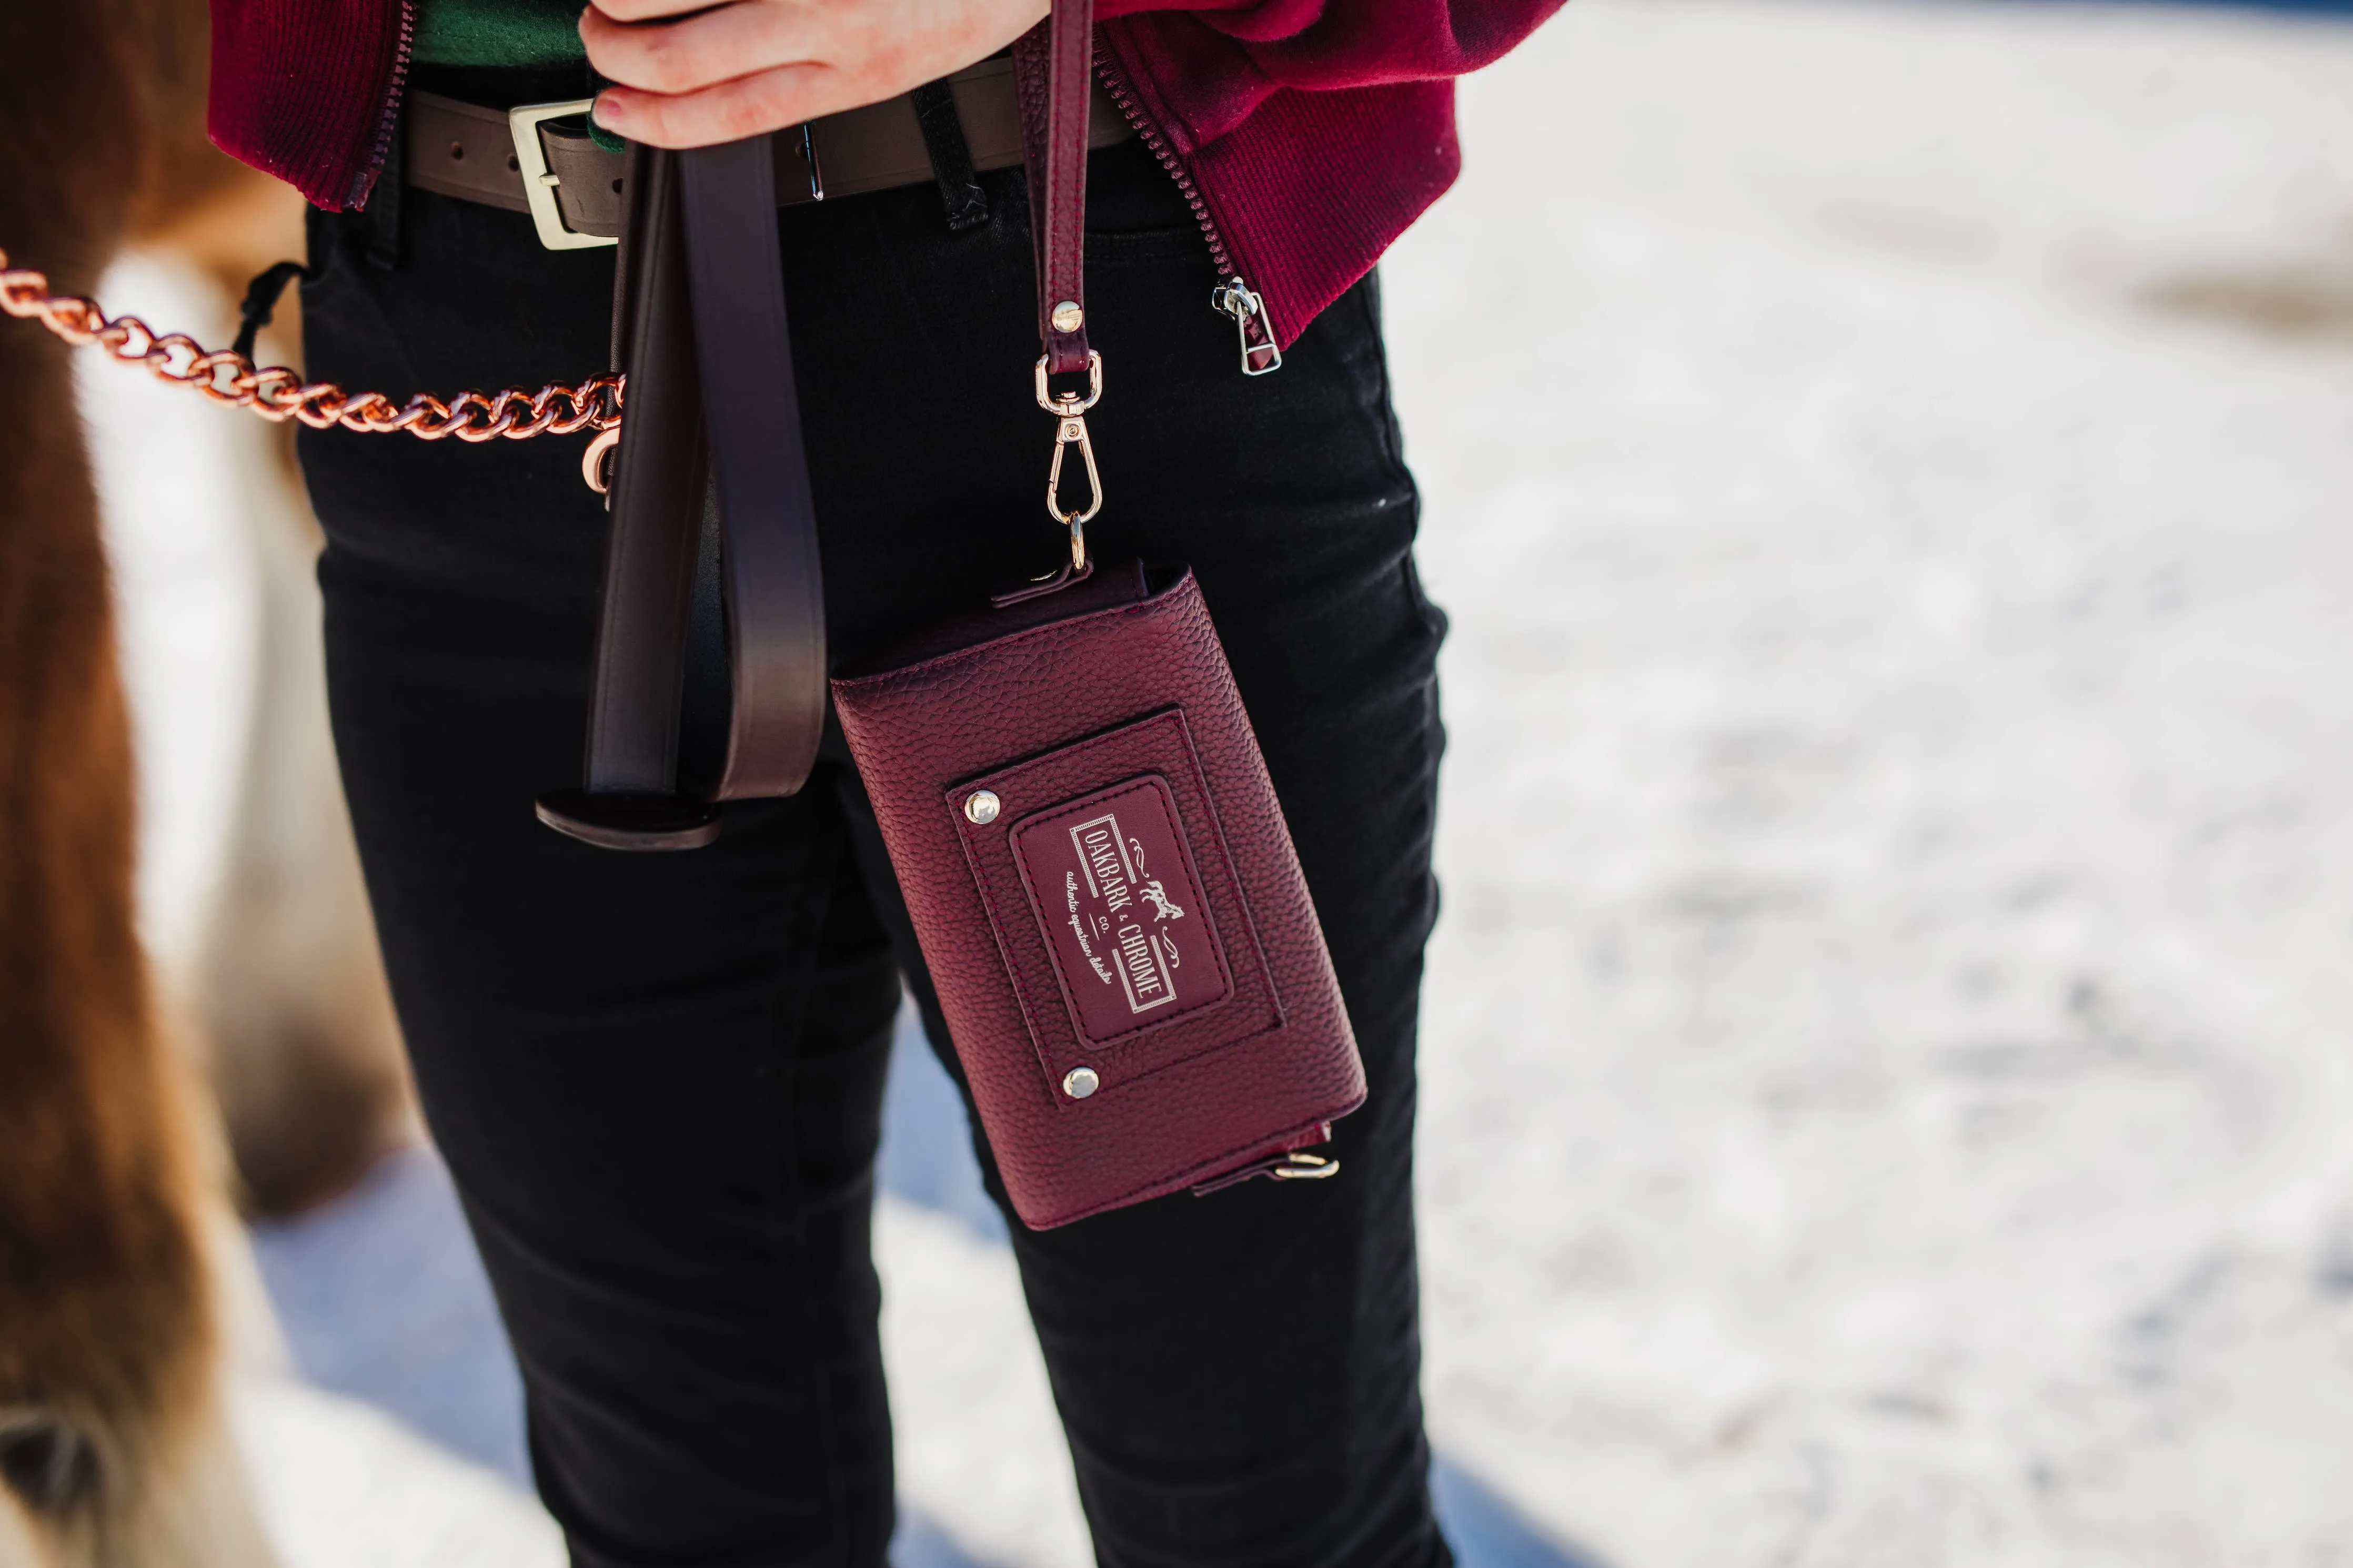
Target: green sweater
[(497, 33), (493, 33)]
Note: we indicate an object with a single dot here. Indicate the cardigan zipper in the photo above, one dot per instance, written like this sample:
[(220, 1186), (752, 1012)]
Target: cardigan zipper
[(388, 116), (1231, 297)]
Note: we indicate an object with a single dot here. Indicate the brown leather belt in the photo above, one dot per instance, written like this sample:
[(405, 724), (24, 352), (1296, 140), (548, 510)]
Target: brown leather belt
[(540, 158)]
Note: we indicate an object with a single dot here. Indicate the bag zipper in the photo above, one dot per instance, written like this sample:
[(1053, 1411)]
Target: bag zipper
[(1231, 297)]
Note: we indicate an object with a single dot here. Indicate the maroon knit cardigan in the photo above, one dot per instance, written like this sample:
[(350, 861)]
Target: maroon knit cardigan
[(1307, 134)]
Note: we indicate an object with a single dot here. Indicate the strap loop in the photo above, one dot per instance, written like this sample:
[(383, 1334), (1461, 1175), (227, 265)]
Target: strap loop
[(1053, 66)]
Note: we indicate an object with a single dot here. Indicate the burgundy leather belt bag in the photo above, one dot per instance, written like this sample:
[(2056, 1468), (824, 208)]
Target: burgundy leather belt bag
[(1074, 803)]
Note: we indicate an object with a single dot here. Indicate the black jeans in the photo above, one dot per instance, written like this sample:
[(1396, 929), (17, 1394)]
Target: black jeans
[(658, 1078)]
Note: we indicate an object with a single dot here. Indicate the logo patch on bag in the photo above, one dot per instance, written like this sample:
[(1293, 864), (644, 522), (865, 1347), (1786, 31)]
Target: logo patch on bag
[(1121, 908)]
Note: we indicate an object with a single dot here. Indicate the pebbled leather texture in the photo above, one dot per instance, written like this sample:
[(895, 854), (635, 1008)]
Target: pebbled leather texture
[(1045, 715), (1053, 68), (1230, 998)]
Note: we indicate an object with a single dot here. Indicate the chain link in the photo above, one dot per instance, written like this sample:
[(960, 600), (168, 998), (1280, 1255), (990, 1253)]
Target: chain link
[(278, 394)]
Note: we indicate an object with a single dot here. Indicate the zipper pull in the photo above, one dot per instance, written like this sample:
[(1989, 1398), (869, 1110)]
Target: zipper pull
[(1233, 298)]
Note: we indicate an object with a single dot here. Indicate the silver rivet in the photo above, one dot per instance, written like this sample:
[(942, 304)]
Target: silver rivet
[(1080, 1083), (981, 807), (1068, 317)]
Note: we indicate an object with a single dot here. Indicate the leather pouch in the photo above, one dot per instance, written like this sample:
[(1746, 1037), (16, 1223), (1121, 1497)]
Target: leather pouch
[(1082, 825), (1107, 897)]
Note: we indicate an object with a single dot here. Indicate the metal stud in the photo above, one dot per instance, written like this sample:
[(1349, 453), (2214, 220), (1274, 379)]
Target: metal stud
[(1080, 1083), (1067, 317), (981, 808)]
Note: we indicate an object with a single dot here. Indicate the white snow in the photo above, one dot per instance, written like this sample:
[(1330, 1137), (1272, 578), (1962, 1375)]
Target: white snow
[(1884, 1066), (979, 1447), (1891, 467), (343, 1486)]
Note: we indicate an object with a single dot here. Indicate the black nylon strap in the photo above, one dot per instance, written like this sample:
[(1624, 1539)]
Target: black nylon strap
[(951, 155), (260, 303)]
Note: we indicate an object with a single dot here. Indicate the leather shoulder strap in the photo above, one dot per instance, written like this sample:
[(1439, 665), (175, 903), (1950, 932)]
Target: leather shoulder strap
[(1054, 64)]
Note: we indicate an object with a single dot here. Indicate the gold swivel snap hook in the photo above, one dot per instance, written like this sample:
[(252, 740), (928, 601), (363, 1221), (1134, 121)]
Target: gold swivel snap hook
[(1069, 410)]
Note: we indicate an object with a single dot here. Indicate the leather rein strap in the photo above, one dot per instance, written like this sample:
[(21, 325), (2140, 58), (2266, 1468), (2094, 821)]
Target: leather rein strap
[(713, 421), (768, 554), (699, 318)]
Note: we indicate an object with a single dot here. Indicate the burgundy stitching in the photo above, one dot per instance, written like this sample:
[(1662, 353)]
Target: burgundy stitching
[(1012, 975), (1037, 1012), (1225, 859)]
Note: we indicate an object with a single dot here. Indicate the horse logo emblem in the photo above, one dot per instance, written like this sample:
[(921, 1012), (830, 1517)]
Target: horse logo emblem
[(1157, 897)]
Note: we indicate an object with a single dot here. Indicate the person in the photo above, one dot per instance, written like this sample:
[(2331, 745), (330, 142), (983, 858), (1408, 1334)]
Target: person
[(658, 1078)]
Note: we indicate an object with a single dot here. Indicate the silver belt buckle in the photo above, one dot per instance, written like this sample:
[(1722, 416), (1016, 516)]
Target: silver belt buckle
[(539, 186)]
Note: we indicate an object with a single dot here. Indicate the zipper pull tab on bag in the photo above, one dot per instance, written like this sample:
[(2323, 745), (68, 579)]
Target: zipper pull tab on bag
[(1251, 329)]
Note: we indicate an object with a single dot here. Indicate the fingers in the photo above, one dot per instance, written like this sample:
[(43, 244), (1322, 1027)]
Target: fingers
[(747, 106), (646, 10), (692, 74), (718, 45)]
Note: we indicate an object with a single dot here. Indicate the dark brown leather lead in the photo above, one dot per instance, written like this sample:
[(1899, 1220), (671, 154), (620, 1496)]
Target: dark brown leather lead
[(713, 419), (711, 370), (775, 624), (657, 492), (631, 799)]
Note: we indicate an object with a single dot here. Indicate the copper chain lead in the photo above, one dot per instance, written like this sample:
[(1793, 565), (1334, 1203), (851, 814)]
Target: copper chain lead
[(278, 394)]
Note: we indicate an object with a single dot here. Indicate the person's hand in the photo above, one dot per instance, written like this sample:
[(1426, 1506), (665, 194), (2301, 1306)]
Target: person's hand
[(692, 73)]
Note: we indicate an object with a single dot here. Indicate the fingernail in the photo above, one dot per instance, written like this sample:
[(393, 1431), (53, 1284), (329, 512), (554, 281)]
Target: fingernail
[(608, 113)]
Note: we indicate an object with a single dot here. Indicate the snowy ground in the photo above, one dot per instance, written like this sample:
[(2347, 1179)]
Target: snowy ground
[(1891, 467), (1887, 1068)]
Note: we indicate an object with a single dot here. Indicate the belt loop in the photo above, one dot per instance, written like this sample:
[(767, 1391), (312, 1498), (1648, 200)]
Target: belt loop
[(951, 155), (384, 205)]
